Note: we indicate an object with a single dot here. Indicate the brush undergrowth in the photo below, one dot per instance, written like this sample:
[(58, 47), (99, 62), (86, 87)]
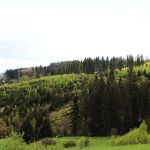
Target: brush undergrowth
[(135, 136)]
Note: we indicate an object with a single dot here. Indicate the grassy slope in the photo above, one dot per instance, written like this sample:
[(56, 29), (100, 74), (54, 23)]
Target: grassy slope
[(95, 144)]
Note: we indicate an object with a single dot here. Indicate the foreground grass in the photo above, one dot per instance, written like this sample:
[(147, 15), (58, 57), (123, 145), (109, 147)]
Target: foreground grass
[(95, 144), (104, 144)]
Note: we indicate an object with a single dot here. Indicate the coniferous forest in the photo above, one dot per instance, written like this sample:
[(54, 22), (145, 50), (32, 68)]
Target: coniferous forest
[(93, 97), (88, 66)]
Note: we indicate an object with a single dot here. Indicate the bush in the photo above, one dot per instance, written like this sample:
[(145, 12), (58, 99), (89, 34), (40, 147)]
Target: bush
[(4, 129), (83, 142), (69, 143), (48, 141), (15, 142), (148, 138), (136, 136), (61, 127)]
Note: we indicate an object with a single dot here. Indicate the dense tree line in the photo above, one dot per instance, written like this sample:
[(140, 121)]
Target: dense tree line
[(88, 65), (83, 104)]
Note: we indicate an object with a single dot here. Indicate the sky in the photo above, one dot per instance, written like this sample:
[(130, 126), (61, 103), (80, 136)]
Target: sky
[(37, 32)]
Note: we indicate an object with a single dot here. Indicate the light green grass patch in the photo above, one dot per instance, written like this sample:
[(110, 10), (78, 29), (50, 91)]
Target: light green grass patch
[(96, 143)]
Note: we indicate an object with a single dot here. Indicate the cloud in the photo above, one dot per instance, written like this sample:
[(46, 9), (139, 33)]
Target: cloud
[(18, 63)]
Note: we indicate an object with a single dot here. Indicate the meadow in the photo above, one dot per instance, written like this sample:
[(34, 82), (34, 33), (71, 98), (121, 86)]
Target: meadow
[(96, 143)]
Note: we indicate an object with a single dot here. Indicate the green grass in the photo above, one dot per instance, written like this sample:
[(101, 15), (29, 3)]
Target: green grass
[(96, 143), (104, 144)]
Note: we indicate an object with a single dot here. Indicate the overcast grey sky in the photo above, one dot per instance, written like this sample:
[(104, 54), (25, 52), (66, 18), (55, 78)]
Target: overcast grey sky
[(37, 32)]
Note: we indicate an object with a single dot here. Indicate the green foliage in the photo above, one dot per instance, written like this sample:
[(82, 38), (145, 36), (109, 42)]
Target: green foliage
[(15, 142), (88, 65), (60, 121), (5, 130), (142, 70), (74, 116), (97, 143), (27, 105), (83, 142), (69, 143), (41, 107), (136, 136)]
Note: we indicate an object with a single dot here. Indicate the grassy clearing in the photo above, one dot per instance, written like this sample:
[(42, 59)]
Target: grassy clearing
[(96, 143), (105, 144)]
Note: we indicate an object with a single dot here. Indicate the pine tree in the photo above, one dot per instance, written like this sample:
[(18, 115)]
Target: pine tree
[(74, 116)]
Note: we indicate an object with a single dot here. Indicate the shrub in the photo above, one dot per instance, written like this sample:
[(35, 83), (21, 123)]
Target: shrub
[(48, 141), (61, 127), (83, 142), (15, 142), (69, 143), (4, 129), (136, 136), (148, 138)]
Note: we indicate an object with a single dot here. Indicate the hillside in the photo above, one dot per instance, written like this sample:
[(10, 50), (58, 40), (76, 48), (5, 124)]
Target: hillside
[(88, 66), (141, 70), (90, 104)]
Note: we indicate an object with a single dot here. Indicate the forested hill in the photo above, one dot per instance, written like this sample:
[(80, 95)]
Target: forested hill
[(112, 101), (88, 65)]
